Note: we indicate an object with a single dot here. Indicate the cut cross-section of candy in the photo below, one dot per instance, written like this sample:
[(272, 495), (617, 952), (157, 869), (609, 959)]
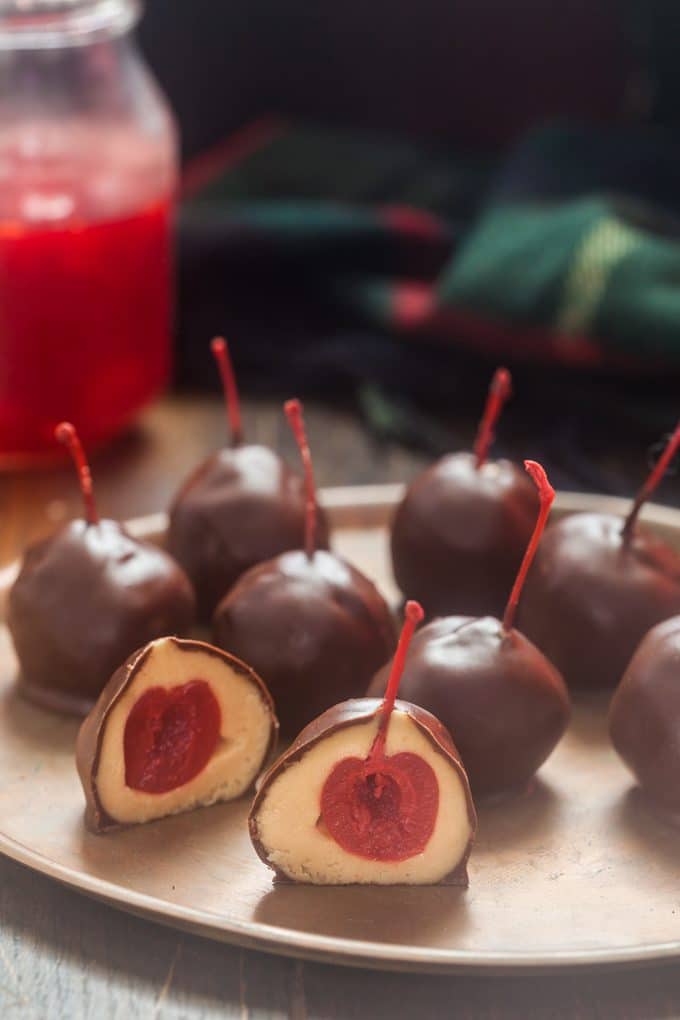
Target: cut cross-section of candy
[(309, 827), (371, 792), (180, 724)]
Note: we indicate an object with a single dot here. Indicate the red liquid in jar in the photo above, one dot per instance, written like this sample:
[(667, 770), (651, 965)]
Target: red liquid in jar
[(85, 288)]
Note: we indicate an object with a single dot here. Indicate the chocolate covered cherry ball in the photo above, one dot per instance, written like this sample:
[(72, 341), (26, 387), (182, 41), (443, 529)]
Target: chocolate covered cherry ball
[(504, 703), (460, 532), (312, 626), (85, 599), (241, 506), (644, 717), (598, 584), (593, 594)]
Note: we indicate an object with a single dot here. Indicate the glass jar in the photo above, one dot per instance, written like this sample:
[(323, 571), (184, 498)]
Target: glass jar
[(87, 179)]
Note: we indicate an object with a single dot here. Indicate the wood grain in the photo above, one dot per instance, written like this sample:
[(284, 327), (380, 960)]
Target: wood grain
[(64, 956)]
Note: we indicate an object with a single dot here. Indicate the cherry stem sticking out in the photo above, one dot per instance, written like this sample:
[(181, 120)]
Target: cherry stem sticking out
[(546, 495), (499, 391), (65, 433), (220, 350), (655, 476), (413, 615), (295, 415)]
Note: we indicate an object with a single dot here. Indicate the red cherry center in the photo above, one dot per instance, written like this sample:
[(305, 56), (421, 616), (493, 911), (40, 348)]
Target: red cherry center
[(384, 810), (170, 735)]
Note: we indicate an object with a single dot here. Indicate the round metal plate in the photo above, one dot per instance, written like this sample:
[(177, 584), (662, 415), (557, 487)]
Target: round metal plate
[(579, 872)]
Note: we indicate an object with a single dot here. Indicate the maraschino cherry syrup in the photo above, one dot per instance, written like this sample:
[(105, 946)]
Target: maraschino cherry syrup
[(85, 280), (84, 326)]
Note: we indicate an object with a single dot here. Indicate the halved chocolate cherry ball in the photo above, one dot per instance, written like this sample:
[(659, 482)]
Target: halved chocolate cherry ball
[(504, 703), (87, 597), (240, 507), (459, 533), (180, 724), (599, 583), (313, 626), (644, 717), (377, 792)]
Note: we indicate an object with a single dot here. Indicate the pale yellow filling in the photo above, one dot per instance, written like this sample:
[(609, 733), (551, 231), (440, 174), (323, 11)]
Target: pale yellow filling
[(287, 819), (238, 758)]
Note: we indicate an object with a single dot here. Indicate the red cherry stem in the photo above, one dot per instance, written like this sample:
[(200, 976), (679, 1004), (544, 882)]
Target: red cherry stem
[(65, 433), (546, 495), (655, 476), (221, 354), (499, 391), (294, 413), (413, 614)]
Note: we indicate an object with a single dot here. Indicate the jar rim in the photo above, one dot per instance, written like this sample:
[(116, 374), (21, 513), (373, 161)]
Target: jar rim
[(56, 24)]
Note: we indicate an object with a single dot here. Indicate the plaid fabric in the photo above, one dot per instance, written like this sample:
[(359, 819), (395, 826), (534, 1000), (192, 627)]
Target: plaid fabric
[(531, 263), (604, 287)]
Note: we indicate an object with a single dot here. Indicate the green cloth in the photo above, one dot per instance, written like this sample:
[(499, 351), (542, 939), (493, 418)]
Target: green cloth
[(580, 268), (570, 258)]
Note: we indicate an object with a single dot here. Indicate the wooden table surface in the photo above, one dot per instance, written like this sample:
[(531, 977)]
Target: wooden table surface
[(64, 956)]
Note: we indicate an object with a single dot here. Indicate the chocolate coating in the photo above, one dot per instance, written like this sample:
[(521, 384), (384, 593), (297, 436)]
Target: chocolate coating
[(240, 507), (346, 714), (504, 704), (644, 717), (83, 601), (91, 733), (589, 600), (460, 533), (314, 629)]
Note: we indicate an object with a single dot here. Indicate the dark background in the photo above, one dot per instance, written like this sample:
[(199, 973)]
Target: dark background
[(476, 72), (443, 73)]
